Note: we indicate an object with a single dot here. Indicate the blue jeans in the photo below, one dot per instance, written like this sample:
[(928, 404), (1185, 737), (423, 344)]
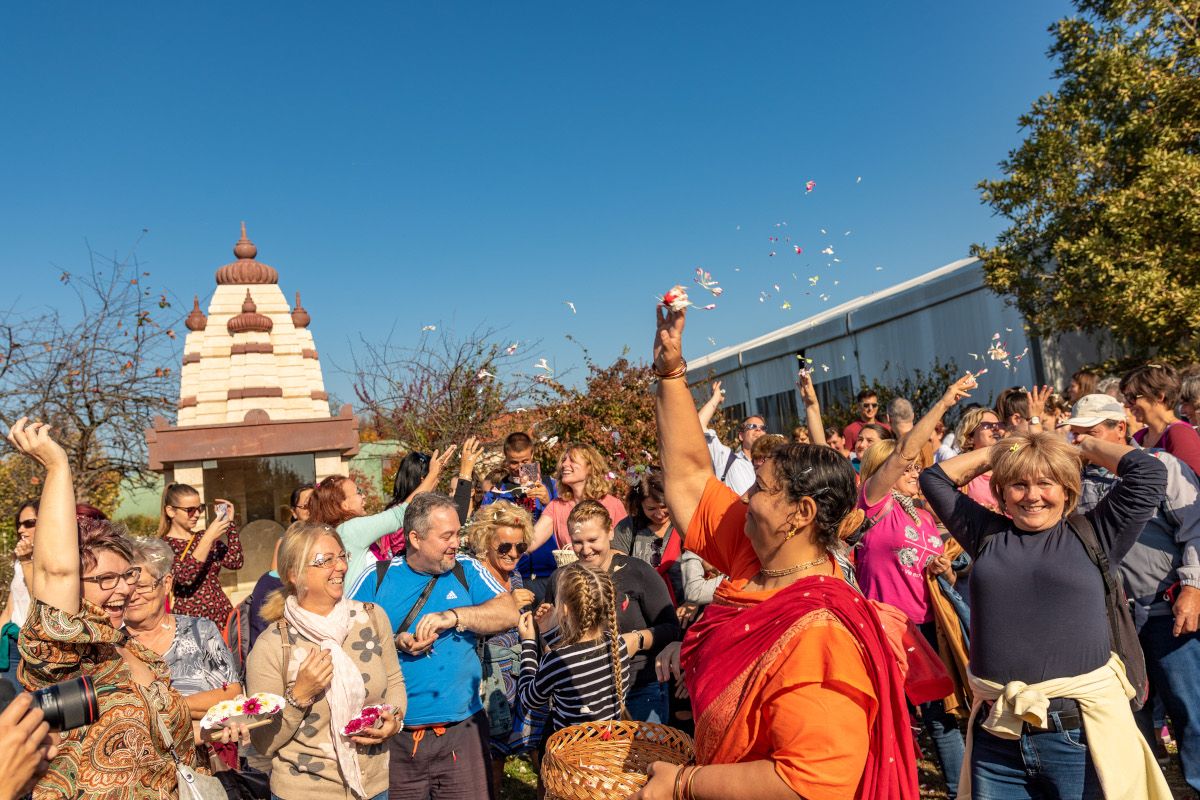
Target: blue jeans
[(649, 704), (942, 727), (1041, 765), (1173, 664)]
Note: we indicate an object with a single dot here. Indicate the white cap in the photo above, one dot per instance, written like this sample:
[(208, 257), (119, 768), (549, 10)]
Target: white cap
[(1093, 409)]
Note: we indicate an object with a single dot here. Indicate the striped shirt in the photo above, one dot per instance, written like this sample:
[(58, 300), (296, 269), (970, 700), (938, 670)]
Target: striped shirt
[(575, 682)]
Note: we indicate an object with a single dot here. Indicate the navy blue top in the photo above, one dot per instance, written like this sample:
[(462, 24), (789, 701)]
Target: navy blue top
[(1037, 601), (539, 563)]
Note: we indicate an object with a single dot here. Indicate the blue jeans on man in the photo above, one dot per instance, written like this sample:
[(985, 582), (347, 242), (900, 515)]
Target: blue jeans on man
[(1173, 664), (1051, 764), (650, 703)]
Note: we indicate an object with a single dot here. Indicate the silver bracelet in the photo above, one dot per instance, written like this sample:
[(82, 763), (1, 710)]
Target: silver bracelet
[(291, 700)]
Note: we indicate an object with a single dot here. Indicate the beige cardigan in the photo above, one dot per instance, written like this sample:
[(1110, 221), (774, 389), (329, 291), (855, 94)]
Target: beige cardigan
[(303, 764), (1122, 758)]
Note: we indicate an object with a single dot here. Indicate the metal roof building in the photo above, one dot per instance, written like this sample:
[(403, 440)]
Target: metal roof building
[(942, 315)]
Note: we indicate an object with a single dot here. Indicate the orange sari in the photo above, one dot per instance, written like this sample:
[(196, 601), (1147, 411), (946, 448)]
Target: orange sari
[(801, 676)]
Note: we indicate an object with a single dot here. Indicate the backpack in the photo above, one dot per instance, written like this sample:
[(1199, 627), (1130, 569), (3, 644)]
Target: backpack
[(236, 634), (1122, 631)]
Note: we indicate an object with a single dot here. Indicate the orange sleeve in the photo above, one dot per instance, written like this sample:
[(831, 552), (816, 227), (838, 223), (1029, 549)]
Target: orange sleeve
[(717, 532), (817, 713)]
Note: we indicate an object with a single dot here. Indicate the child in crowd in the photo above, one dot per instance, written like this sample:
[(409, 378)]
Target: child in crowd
[(583, 675)]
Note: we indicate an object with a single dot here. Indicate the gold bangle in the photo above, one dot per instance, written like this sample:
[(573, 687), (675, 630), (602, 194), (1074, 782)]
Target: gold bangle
[(678, 372), (687, 787)]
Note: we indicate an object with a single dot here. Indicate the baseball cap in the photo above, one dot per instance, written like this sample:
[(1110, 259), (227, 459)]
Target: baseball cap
[(1093, 409)]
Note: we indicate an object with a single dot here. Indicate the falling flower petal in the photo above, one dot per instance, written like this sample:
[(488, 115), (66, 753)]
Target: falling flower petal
[(828, 250), (786, 305), (570, 305), (808, 187), (798, 249), (429, 328)]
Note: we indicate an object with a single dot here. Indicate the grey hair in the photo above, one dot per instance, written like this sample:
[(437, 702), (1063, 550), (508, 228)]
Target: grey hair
[(152, 553), (900, 410), (1189, 390), (1110, 386), (421, 507)]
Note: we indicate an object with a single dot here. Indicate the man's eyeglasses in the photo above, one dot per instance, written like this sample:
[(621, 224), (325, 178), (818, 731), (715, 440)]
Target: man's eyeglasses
[(27, 524), (147, 588), (191, 511), (869, 405), (754, 426), (109, 579), (506, 548), (328, 560)]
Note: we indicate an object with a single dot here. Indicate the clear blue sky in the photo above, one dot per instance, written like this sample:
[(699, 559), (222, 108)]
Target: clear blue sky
[(460, 164)]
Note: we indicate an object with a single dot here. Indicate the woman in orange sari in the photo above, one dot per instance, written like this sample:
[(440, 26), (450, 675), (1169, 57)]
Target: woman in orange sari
[(794, 688)]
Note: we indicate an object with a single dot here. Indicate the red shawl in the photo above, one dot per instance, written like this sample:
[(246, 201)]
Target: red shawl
[(731, 645)]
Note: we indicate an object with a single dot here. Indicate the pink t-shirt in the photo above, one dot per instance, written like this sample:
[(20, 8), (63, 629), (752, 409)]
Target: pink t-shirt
[(560, 508), (890, 562), (980, 490)]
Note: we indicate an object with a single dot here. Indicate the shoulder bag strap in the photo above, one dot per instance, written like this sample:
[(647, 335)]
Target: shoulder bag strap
[(416, 609), (729, 462), (1081, 526), (287, 646), (381, 568)]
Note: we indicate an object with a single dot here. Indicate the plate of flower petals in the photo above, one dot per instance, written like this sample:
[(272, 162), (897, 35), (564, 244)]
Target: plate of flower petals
[(242, 709), (367, 718)]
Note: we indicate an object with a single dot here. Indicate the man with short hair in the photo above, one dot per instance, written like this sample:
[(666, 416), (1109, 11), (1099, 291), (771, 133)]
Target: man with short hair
[(536, 567), (440, 603), (1161, 574), (868, 410), (734, 468), (900, 418)]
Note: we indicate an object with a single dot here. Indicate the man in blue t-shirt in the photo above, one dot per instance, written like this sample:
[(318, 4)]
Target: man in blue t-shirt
[(538, 566), (438, 602)]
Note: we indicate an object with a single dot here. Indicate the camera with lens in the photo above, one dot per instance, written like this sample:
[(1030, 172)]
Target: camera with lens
[(68, 705)]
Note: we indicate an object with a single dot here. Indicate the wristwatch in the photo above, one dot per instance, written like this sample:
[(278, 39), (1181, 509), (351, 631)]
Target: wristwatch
[(1035, 420), (641, 641)]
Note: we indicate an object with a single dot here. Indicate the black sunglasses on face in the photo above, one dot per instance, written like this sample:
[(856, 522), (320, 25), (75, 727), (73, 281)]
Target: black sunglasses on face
[(189, 510), (505, 548), (27, 524)]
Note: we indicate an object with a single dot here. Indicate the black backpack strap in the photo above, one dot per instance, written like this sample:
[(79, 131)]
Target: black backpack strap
[(381, 568), (461, 575), (729, 462), (1081, 526)]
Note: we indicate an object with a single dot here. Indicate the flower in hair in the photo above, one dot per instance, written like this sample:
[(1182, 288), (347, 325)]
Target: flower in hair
[(1015, 447)]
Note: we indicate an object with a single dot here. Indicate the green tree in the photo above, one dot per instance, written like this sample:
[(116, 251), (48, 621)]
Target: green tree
[(1103, 196)]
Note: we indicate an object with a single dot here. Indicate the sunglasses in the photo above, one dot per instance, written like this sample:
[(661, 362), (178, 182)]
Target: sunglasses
[(869, 405), (328, 560), (191, 511), (27, 524), (754, 426), (506, 548), (990, 426), (109, 579)]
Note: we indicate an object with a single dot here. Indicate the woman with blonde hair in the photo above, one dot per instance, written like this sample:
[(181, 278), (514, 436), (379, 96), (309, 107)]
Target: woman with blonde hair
[(329, 657), (979, 429), (1050, 713), (498, 535), (582, 475), (902, 545)]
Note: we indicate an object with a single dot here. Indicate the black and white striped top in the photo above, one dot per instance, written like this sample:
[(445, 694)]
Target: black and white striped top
[(574, 682)]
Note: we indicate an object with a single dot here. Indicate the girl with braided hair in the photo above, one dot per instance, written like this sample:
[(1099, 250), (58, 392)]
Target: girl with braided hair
[(584, 674)]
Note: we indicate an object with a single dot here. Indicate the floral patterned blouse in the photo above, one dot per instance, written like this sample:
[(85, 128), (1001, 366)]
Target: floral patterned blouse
[(120, 755), (197, 585)]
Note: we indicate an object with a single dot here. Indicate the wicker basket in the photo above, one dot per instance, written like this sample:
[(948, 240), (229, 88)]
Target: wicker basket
[(608, 759)]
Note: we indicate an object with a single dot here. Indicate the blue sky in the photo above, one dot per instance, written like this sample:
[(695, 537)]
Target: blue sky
[(468, 164)]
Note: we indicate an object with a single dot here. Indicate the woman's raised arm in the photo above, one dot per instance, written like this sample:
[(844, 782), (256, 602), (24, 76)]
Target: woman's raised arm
[(908, 449), (56, 549), (685, 460)]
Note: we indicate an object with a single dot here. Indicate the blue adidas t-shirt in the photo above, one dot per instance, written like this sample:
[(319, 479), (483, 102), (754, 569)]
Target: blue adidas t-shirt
[(443, 684)]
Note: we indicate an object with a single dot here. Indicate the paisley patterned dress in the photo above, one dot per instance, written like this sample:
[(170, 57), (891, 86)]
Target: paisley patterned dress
[(117, 756)]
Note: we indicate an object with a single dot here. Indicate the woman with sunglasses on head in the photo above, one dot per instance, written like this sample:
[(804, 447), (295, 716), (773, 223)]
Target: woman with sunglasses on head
[(82, 580), (1151, 394), (498, 535), (16, 609), (979, 429), (199, 555), (901, 545)]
